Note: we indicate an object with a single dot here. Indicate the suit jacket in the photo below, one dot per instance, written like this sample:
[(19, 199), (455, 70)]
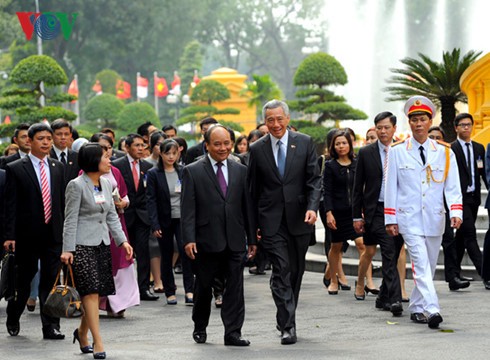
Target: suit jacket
[(464, 174), (194, 152), (3, 179), (86, 222), (158, 198), (297, 192), (4, 160), (367, 182), (25, 218), (137, 199), (210, 219), (71, 168)]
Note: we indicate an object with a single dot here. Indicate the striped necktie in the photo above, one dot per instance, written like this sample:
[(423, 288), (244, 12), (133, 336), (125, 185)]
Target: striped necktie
[(46, 193)]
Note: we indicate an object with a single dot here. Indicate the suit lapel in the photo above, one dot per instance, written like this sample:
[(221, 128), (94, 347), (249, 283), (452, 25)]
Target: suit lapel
[(290, 152), (52, 154), (127, 172), (208, 168), (376, 157), (53, 175), (267, 149), (29, 168), (458, 150)]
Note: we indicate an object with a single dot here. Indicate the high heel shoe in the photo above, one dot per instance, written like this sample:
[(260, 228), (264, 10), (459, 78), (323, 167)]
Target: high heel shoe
[(332, 292), (359, 297), (372, 291), (99, 355), (85, 349), (343, 286), (326, 282)]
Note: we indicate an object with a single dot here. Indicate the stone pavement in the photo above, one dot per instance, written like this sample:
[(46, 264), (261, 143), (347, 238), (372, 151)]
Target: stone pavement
[(329, 327)]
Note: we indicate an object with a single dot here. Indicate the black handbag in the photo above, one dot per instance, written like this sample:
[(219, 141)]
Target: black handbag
[(7, 277), (63, 301)]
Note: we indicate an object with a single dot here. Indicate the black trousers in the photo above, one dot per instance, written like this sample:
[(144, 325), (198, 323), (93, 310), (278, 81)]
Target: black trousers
[(451, 263), (27, 259), (166, 243), (208, 266), (485, 272), (390, 290), (466, 234), (287, 255), (139, 235)]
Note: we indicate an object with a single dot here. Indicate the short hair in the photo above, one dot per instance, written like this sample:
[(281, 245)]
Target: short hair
[(10, 147), (169, 127), (350, 131), (165, 147), (19, 128), (254, 134), (35, 128), (183, 143), (274, 104), (462, 116), (260, 125), (207, 121), (239, 140), (346, 134), (130, 139), (89, 156), (232, 133), (107, 131), (383, 115), (207, 134), (155, 138), (122, 139), (74, 134), (143, 128), (97, 136), (370, 129), (60, 124), (437, 128)]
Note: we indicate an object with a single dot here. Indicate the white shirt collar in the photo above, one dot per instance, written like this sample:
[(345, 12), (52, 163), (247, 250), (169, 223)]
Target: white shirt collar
[(58, 152), (214, 162)]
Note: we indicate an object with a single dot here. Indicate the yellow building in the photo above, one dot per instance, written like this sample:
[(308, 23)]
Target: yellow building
[(475, 82), (235, 83)]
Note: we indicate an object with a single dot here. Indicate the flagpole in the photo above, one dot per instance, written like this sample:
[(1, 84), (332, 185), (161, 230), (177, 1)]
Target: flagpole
[(77, 103), (137, 77), (156, 97)]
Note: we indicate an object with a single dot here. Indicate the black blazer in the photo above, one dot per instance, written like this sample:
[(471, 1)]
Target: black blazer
[(3, 180), (4, 160), (194, 152), (338, 182), (367, 182), (137, 199), (297, 192), (25, 218), (158, 198), (211, 220), (71, 168), (464, 174)]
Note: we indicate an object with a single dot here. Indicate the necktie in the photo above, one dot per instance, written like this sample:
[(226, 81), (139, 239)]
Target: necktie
[(468, 158), (46, 193), (281, 159), (422, 156), (135, 175), (62, 158), (221, 178), (385, 164)]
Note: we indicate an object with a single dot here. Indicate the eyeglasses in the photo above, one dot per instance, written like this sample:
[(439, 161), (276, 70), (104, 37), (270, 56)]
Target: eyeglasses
[(465, 125)]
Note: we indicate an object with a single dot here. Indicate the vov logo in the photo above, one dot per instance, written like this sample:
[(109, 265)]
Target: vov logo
[(47, 25)]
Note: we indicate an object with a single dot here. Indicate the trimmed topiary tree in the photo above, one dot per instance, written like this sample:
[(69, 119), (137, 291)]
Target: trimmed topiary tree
[(108, 80), (135, 114), (105, 107)]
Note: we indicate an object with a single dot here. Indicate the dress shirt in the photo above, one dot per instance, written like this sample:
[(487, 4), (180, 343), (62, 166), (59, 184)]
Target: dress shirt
[(284, 145), (224, 168), (472, 161), (35, 163), (130, 159)]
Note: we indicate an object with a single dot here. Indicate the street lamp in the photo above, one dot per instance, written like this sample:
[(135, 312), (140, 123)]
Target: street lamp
[(175, 99)]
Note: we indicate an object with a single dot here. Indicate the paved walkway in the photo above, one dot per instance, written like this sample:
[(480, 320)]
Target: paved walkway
[(329, 327)]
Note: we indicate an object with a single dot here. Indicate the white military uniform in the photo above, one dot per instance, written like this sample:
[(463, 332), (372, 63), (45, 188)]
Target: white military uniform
[(414, 199)]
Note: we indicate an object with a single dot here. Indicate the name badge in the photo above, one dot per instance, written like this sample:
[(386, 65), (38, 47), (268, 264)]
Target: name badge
[(479, 163), (178, 187), (99, 198)]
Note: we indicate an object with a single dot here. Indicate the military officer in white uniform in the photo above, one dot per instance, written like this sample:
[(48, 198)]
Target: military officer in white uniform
[(420, 173)]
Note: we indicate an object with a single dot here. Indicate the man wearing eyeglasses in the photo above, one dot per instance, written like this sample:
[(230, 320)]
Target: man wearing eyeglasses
[(470, 157), (420, 173)]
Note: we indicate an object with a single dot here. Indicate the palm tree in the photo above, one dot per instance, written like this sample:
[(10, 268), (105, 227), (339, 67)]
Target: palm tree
[(437, 81), (261, 90)]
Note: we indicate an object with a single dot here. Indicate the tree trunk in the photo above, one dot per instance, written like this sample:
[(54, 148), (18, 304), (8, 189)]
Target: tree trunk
[(448, 113)]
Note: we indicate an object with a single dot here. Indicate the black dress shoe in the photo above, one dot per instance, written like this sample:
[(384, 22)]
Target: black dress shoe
[(236, 340), (326, 282), (418, 318), (148, 296), (382, 305), (456, 284), (53, 334), (13, 329), (288, 337), (487, 284), (466, 278), (255, 271), (434, 320), (199, 336), (396, 309)]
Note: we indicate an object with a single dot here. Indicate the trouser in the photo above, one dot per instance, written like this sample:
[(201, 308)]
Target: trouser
[(451, 264), (466, 234), (139, 234), (287, 255), (423, 251), (208, 266), (485, 272)]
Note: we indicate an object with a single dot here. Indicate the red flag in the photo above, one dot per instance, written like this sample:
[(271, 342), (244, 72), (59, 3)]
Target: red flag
[(7, 120), (97, 87), (195, 80), (176, 84), (123, 90), (161, 88), (142, 87), (73, 88)]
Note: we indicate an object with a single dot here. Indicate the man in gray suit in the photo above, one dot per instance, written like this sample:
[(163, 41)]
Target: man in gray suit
[(284, 179)]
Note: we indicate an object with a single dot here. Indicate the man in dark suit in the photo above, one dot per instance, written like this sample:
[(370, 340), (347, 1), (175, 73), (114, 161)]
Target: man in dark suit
[(22, 140), (368, 215), (116, 154), (34, 225), (217, 222), (470, 157), (199, 149), (284, 179), (62, 131), (3, 180), (133, 170)]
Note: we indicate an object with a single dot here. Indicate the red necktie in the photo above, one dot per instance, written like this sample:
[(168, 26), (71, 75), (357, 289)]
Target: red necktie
[(45, 192), (135, 175)]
